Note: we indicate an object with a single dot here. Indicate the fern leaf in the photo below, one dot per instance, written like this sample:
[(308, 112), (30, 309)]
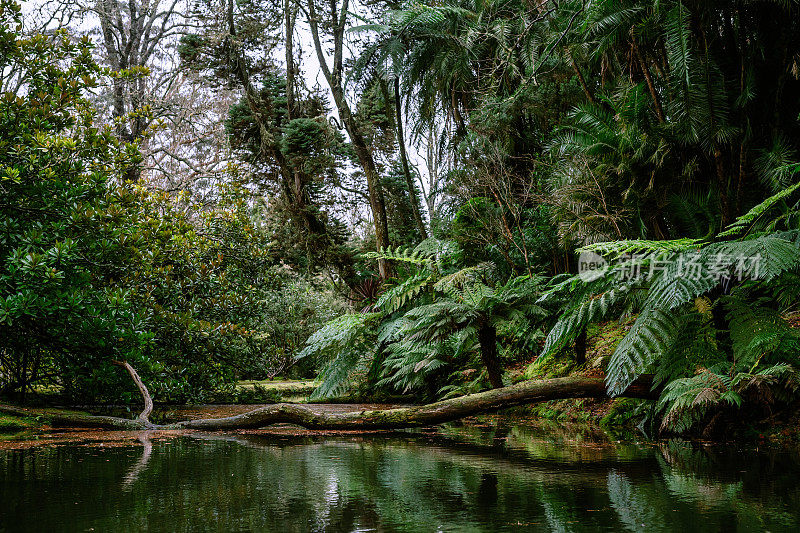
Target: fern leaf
[(763, 258), (616, 249), (744, 221), (652, 335)]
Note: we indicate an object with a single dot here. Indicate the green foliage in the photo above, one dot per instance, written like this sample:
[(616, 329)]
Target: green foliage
[(699, 329), (93, 269), (635, 130), (424, 332), (748, 219), (290, 312), (60, 219), (686, 401)]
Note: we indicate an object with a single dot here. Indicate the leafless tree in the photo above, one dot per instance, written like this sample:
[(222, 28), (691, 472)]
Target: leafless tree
[(175, 119)]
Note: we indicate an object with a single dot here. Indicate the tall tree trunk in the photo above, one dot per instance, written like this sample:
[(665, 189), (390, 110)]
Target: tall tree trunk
[(487, 338), (290, 14), (292, 180), (334, 76), (648, 79), (299, 179), (581, 79), (401, 141), (722, 185)]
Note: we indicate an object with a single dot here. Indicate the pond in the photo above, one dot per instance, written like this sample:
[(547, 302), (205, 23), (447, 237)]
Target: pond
[(492, 474)]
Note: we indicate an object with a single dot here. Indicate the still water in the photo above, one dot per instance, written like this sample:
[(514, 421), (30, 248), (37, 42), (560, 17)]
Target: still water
[(495, 475)]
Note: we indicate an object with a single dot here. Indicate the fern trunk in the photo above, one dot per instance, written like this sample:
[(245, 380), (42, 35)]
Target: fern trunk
[(580, 348), (487, 338)]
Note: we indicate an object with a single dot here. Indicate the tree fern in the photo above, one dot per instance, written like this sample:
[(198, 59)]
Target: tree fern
[(685, 401), (342, 344), (575, 320)]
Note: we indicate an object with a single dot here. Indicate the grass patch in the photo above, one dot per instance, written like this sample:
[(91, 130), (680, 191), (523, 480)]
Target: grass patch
[(289, 386), (13, 424), (266, 391)]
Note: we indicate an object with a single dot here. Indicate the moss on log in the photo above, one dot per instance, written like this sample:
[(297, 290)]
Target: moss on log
[(431, 414)]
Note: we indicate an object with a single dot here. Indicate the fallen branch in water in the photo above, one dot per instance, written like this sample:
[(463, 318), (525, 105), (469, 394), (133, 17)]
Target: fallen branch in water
[(431, 414)]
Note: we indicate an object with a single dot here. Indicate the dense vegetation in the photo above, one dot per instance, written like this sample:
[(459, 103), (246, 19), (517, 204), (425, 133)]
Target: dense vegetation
[(184, 195)]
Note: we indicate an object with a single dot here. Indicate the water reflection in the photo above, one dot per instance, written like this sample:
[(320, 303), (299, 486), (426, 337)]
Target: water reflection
[(468, 478), (141, 464)]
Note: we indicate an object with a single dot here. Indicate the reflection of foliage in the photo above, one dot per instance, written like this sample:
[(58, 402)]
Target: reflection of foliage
[(472, 478)]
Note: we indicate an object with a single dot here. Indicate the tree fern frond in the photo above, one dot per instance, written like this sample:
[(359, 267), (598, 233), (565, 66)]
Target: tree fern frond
[(346, 342), (758, 331), (763, 258), (616, 249), (697, 349), (653, 333), (406, 255), (399, 295), (463, 277), (673, 287), (685, 401), (574, 321), (392, 330), (337, 375), (746, 220), (340, 332)]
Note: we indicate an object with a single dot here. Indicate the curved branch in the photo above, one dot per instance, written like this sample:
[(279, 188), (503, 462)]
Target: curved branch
[(144, 416)]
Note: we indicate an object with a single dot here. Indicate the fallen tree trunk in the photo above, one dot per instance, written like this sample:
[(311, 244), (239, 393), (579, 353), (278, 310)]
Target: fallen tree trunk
[(64, 418), (431, 414)]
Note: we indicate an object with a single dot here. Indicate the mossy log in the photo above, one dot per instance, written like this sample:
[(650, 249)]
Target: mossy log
[(527, 392)]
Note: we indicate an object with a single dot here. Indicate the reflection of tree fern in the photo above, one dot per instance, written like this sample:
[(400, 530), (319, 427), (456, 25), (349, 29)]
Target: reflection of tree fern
[(633, 510)]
